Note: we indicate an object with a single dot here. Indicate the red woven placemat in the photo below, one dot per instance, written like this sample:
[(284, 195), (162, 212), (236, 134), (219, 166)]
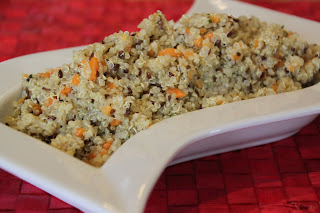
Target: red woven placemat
[(278, 177)]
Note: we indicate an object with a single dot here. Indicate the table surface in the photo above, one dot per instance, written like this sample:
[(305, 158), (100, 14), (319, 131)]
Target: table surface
[(280, 177)]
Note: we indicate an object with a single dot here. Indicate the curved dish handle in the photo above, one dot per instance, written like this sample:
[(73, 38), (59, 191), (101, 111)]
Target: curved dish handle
[(135, 167)]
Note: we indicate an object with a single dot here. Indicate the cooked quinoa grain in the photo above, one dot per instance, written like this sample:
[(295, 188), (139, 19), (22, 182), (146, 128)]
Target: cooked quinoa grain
[(127, 82)]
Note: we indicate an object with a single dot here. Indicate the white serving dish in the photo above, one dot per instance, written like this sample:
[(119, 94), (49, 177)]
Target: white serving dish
[(124, 183)]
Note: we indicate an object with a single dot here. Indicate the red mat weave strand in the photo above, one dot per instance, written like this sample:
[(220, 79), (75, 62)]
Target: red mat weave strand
[(279, 177)]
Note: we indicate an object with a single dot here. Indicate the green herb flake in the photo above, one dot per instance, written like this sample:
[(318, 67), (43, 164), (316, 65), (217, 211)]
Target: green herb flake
[(210, 20)]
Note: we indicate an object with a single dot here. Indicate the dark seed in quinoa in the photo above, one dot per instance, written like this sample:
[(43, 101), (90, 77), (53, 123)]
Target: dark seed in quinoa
[(116, 67), (148, 75), (218, 43), (60, 74), (121, 54), (128, 110), (28, 93), (170, 74), (91, 56), (229, 34)]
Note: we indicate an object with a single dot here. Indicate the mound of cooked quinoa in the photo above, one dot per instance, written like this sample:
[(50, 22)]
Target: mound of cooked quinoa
[(127, 82)]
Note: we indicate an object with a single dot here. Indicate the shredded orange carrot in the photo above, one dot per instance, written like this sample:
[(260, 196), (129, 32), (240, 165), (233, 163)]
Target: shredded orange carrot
[(275, 87), (256, 43), (21, 100), (219, 102), (75, 80), (188, 30), (262, 68), (106, 110), (47, 74), (48, 102), (170, 51), (236, 57), (198, 42), (79, 132), (111, 85), (215, 19), (107, 145), (188, 53), (93, 154), (150, 53), (179, 93), (65, 91), (94, 66), (103, 63), (290, 34), (291, 68), (83, 61), (115, 122), (280, 63), (278, 55), (25, 75), (203, 30), (208, 35)]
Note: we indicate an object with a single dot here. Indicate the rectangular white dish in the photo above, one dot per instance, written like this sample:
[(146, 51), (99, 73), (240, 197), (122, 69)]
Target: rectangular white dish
[(125, 181)]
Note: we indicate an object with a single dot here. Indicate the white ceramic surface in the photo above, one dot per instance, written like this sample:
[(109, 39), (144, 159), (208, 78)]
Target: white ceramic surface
[(125, 181)]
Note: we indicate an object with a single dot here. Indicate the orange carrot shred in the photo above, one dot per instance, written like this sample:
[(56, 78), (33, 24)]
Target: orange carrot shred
[(203, 30), (21, 100), (215, 19), (209, 35), (115, 122), (275, 87), (79, 132), (48, 102), (75, 80), (188, 30), (65, 91), (256, 43), (94, 66), (106, 110), (170, 51), (111, 85), (179, 93), (280, 63), (236, 57), (219, 102), (188, 53), (198, 42), (107, 145)]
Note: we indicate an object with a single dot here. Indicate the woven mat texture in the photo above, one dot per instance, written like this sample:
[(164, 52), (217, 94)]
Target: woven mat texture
[(280, 177)]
